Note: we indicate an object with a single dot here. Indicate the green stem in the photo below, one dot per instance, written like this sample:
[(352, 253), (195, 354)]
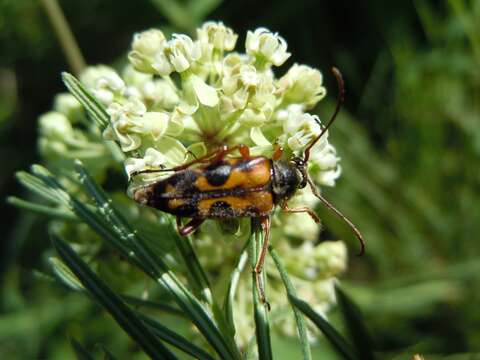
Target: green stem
[(260, 312), (299, 319), (65, 36), (198, 277), (232, 287)]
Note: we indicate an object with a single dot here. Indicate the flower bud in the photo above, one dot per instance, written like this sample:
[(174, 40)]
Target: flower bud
[(68, 105), (145, 46), (302, 85), (218, 35), (148, 42), (55, 125)]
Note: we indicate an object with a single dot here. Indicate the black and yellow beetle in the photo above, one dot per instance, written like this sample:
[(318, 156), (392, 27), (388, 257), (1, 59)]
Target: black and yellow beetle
[(217, 186)]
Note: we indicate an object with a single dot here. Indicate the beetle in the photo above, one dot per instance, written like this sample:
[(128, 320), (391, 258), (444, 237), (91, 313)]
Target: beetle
[(219, 187)]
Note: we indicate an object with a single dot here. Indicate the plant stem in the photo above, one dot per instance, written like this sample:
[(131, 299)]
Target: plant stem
[(65, 36)]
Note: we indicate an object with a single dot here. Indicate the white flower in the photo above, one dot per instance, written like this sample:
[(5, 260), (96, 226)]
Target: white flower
[(160, 94), (267, 46), (182, 52), (323, 165), (152, 159), (328, 177), (161, 64), (157, 94), (130, 122), (329, 258), (91, 74), (217, 35), (126, 124), (303, 85), (299, 130), (104, 83)]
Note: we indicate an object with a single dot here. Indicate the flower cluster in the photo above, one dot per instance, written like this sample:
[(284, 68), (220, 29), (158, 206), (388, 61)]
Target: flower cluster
[(180, 98), (183, 96)]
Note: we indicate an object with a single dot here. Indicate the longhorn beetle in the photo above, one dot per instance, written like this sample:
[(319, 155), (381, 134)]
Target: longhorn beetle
[(222, 187)]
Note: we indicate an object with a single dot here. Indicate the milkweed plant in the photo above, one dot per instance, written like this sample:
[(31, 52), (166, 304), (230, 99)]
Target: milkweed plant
[(176, 99)]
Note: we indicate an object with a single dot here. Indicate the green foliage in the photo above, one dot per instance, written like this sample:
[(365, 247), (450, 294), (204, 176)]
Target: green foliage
[(95, 110)]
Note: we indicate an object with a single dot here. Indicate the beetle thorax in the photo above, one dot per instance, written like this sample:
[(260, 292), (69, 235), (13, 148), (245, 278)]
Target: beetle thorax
[(287, 179)]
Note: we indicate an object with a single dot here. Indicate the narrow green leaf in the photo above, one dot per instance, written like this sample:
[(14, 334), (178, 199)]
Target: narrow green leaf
[(155, 267), (155, 305), (65, 275), (300, 321), (92, 106), (36, 186), (355, 325), (62, 214), (260, 311), (175, 339), (337, 341), (124, 316), (80, 352), (232, 288), (110, 224), (196, 274), (47, 184)]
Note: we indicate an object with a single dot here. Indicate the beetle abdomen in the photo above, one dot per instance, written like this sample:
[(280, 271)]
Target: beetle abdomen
[(230, 188)]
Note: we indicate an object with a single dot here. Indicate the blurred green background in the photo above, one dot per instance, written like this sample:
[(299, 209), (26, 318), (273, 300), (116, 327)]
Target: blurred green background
[(409, 138)]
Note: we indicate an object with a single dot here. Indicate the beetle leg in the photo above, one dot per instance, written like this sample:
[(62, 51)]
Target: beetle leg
[(190, 227), (203, 159), (244, 151), (215, 156), (258, 270), (277, 152), (307, 210)]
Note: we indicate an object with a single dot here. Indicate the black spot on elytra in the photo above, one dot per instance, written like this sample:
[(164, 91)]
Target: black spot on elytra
[(218, 174), (221, 209), (183, 183)]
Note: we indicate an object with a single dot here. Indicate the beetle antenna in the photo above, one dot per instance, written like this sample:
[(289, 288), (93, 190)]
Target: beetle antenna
[(340, 100), (325, 202), (148, 171)]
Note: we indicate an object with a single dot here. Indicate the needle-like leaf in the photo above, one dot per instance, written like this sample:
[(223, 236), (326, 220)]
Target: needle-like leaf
[(260, 311), (338, 342), (94, 109), (124, 316), (355, 325), (300, 321)]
